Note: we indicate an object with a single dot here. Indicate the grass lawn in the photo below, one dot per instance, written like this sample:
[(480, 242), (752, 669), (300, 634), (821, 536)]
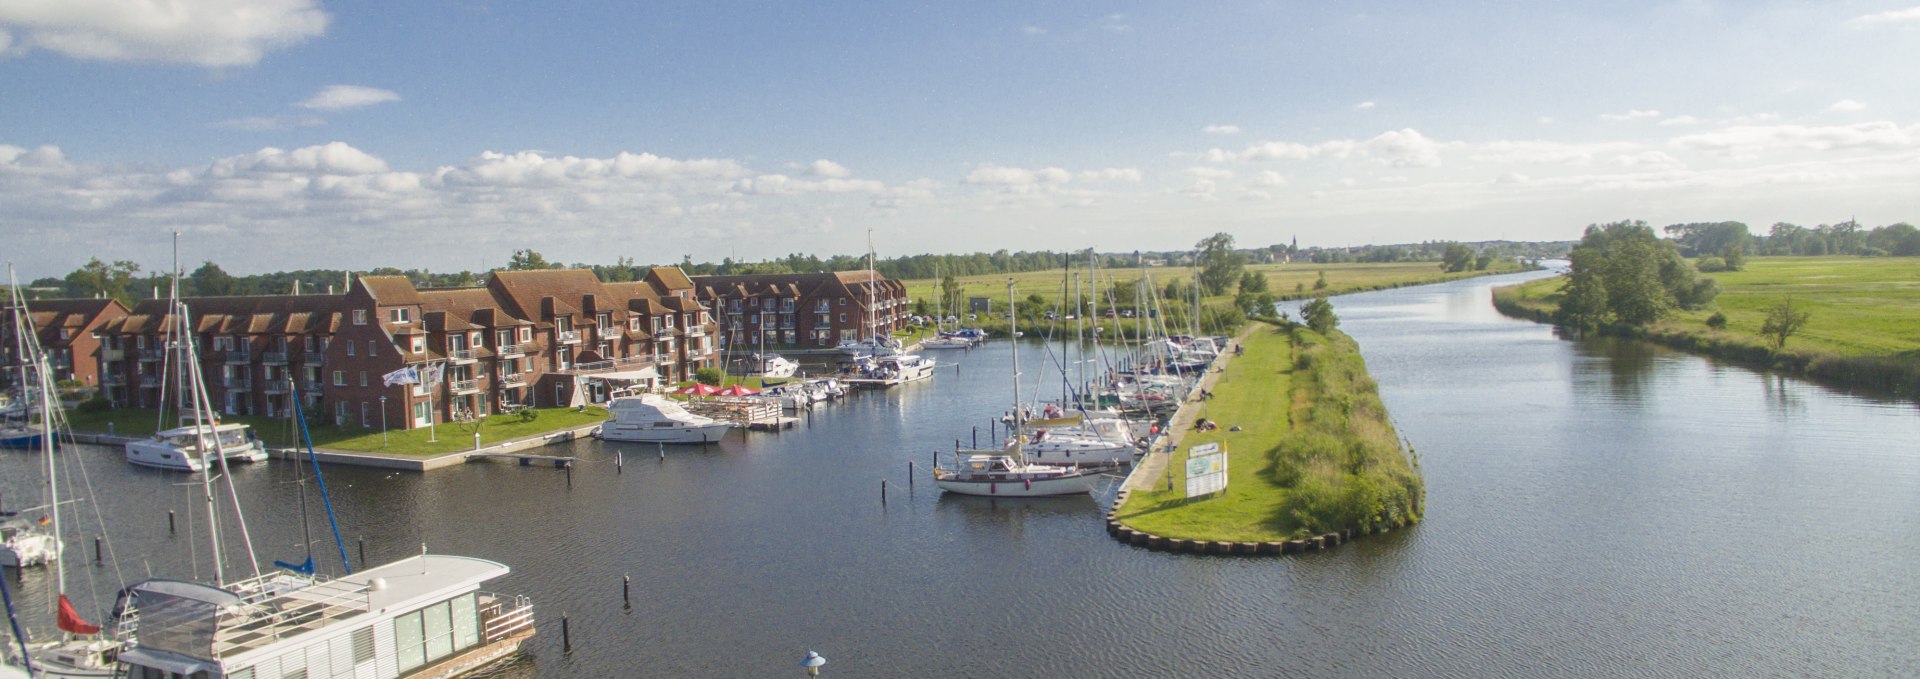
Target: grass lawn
[(1254, 394), (1861, 306), (450, 437)]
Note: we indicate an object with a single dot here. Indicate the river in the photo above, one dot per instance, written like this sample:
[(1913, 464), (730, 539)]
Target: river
[(1594, 508)]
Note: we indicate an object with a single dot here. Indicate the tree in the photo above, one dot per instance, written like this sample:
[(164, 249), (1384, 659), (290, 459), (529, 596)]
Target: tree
[(1483, 261), (1319, 315), (1219, 265), (708, 376), (1457, 257), (1782, 322), (96, 278), (1253, 281), (953, 296), (527, 260), (210, 281), (1321, 282)]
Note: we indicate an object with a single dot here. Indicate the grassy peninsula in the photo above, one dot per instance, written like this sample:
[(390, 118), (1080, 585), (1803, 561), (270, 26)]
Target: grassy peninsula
[(447, 437), (1315, 453), (1861, 331)]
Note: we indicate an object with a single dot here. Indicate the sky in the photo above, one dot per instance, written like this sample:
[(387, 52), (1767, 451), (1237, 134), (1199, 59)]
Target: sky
[(438, 134)]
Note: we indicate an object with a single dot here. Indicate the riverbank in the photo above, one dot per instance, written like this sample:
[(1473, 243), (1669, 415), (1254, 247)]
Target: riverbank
[(1859, 334), (1332, 467)]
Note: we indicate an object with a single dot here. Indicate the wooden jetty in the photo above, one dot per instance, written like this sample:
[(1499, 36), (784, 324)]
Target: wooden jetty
[(761, 414)]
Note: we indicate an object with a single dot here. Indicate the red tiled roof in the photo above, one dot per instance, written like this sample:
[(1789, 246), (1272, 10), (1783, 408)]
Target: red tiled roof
[(391, 290)]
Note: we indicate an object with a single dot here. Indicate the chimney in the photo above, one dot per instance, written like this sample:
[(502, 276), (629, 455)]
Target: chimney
[(296, 287)]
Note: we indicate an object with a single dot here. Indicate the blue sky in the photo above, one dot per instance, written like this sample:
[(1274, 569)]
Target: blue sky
[(296, 134)]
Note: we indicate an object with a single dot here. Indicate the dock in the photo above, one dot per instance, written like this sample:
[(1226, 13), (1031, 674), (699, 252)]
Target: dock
[(758, 414)]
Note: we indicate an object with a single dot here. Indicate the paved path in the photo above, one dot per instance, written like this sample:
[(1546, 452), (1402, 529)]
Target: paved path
[(1153, 466)]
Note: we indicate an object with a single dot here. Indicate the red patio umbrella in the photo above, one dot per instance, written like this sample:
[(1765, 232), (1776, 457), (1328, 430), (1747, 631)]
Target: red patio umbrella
[(738, 390), (699, 389)]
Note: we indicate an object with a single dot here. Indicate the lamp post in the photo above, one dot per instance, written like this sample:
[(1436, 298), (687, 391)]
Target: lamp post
[(383, 420), (812, 662)]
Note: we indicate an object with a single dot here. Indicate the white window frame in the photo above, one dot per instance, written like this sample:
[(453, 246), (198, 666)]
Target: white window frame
[(359, 316), (399, 315)]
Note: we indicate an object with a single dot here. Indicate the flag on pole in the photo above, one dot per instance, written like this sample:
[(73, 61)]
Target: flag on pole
[(70, 620), (433, 372), (407, 375)]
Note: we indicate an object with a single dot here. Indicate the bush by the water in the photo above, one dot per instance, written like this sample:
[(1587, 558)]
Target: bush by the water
[(1341, 462)]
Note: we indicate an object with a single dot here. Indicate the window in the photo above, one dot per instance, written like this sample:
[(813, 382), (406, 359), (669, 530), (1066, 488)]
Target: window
[(398, 315), (604, 320), (363, 415), (410, 640), (339, 378), (340, 413), (359, 316), (633, 323), (502, 338), (309, 343), (526, 334), (563, 323), (843, 318), (350, 344), (140, 341), (843, 301), (669, 320), (363, 378), (66, 333), (370, 348), (420, 344)]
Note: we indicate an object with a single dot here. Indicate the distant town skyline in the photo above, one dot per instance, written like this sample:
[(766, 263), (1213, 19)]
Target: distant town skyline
[(292, 134)]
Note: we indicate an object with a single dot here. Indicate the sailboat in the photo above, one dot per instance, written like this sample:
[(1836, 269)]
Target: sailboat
[(18, 428), (201, 437), (1006, 472), (420, 616), (80, 652)]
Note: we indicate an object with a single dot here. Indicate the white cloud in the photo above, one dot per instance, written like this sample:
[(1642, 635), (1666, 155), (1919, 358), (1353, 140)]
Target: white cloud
[(1647, 159), (1897, 16), (208, 33), (1845, 106), (1536, 152), (1221, 129), (775, 184), (1116, 23), (1634, 114), (341, 97), (1210, 173), (1033, 30), (1269, 178), (1678, 120), (1362, 106), (1111, 174), (828, 168), (333, 158), (1404, 148), (1018, 180), (269, 123), (1748, 140)]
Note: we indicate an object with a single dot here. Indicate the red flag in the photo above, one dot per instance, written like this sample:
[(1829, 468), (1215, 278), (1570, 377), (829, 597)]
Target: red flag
[(71, 621)]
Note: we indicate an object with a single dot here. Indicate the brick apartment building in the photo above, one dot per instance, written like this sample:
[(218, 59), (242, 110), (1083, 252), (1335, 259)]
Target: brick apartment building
[(806, 310), (66, 330), (526, 338)]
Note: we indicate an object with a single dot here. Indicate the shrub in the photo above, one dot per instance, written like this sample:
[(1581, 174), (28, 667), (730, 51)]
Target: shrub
[(1710, 265), (528, 414), (97, 404), (709, 375), (1718, 321)]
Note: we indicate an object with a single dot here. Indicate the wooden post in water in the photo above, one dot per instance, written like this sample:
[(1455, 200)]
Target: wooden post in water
[(976, 437), (883, 491), (910, 473), (363, 551), (96, 550), (663, 451), (169, 522), (626, 590), (566, 635), (569, 469), (619, 462)]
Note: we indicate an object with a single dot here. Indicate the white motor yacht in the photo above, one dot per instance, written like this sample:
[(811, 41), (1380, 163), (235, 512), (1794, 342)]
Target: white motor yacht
[(193, 448), (652, 418), (772, 366), (23, 543)]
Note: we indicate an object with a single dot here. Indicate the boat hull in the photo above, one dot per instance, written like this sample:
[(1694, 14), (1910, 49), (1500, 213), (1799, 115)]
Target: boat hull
[(1049, 486), (27, 439), (27, 549), (705, 433), (161, 456)]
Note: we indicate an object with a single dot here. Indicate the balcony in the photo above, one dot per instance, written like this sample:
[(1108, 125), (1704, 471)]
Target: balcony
[(462, 356), (696, 330), (609, 331), (513, 380), (510, 350), (113, 379), (150, 355), (463, 386), (150, 381), (107, 354), (275, 387), (238, 384), (273, 357), (567, 336), (312, 386), (239, 357)]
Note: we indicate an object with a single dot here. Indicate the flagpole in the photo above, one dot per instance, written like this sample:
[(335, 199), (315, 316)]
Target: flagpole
[(433, 435)]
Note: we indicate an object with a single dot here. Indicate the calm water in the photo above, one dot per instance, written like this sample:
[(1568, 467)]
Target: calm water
[(1594, 508)]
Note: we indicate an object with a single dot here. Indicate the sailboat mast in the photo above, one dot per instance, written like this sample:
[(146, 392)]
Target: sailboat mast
[(872, 330), (1013, 327), (29, 344)]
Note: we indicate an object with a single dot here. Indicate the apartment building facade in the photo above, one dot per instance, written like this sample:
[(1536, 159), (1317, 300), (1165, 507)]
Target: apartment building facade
[(526, 338), (67, 330), (809, 310)]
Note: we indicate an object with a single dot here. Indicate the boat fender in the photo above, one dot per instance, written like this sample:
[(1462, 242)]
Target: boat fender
[(1029, 484)]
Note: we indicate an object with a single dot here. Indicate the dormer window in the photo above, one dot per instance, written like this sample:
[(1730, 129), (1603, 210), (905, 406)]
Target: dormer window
[(604, 320), (398, 316), (359, 316), (526, 334), (419, 344)]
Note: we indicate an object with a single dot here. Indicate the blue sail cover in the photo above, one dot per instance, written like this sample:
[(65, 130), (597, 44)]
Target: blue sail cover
[(301, 568)]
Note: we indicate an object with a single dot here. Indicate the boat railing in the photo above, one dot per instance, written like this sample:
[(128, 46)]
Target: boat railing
[(271, 609), (503, 615)]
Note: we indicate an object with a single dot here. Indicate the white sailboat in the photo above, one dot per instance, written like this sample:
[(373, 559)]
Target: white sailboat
[(201, 437), (80, 651), (1006, 472), (652, 418)]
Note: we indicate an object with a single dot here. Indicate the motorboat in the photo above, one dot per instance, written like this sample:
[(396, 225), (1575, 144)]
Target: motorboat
[(773, 366), (887, 371), (194, 447), (652, 418), (946, 341), (20, 434), (24, 543)]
